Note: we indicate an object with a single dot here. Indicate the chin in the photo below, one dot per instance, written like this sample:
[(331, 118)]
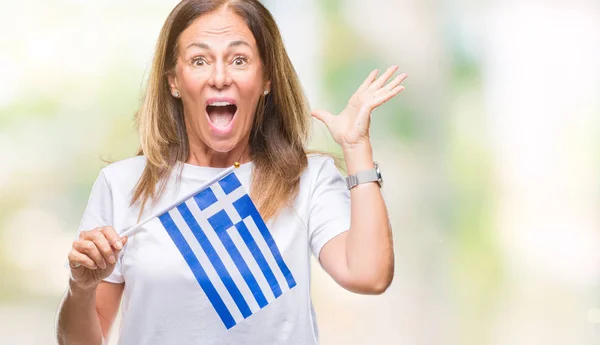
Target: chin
[(222, 145)]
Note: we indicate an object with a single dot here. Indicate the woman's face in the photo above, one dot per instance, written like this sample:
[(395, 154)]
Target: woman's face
[(220, 78)]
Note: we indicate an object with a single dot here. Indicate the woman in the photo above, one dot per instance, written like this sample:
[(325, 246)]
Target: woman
[(222, 90)]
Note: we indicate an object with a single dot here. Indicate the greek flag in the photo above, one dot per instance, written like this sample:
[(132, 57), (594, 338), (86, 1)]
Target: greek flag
[(229, 249)]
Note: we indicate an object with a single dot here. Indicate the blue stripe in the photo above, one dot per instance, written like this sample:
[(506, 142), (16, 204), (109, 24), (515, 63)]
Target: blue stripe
[(262, 227), (205, 198), (245, 208), (221, 222), (260, 259), (230, 183), (215, 260), (197, 270)]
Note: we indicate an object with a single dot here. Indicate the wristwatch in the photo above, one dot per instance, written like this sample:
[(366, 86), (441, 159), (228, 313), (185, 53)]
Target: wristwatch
[(371, 175)]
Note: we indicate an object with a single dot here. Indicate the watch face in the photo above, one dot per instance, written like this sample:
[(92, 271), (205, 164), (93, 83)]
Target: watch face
[(378, 172)]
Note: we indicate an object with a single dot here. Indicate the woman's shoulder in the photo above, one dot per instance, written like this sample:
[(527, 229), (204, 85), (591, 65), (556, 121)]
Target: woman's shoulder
[(126, 171), (322, 175), (320, 165), (127, 165)]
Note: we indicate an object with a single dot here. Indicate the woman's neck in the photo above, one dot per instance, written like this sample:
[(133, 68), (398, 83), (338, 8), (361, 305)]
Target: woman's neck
[(203, 155)]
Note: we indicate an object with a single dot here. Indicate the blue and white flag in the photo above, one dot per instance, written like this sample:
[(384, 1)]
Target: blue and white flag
[(229, 249)]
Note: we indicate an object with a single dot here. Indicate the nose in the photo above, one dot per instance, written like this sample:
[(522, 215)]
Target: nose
[(220, 77)]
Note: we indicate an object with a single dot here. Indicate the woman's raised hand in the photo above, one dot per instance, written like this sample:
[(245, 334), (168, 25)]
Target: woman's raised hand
[(351, 126)]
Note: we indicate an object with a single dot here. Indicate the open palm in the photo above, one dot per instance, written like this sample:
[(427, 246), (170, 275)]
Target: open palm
[(351, 126)]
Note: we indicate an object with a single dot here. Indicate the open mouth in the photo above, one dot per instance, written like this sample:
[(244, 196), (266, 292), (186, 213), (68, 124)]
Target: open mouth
[(221, 114)]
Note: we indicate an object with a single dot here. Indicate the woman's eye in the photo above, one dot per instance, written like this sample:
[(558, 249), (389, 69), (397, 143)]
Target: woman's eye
[(239, 61), (199, 62)]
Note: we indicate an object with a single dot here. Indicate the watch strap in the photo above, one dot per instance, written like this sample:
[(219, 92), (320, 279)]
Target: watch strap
[(362, 177)]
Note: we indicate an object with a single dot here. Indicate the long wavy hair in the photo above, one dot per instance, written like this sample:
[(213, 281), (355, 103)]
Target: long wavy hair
[(281, 123)]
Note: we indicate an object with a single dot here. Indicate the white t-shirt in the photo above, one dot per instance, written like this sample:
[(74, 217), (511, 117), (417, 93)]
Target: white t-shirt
[(162, 302)]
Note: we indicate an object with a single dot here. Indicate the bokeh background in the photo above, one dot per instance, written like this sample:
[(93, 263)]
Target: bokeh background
[(491, 156)]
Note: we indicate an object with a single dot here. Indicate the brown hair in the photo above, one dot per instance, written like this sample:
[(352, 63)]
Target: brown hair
[(281, 123)]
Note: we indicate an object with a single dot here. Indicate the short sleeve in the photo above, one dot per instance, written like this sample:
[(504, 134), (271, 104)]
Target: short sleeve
[(329, 207), (99, 212)]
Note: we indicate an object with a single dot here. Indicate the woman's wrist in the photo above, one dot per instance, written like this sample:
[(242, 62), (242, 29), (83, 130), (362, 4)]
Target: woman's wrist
[(78, 289), (358, 157)]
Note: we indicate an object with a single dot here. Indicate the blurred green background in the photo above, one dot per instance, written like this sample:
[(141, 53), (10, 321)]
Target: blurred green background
[(490, 157)]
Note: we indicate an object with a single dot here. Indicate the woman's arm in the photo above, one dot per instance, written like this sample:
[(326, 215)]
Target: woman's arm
[(362, 259), (85, 316), (90, 304)]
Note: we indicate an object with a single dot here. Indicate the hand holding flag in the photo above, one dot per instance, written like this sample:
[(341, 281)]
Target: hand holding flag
[(93, 256)]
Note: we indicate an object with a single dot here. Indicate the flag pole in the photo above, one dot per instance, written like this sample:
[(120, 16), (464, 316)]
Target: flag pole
[(180, 200)]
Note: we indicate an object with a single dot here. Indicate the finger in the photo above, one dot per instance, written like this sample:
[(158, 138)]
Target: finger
[(395, 82), (99, 239), (367, 82), (103, 246), (112, 237), (377, 84), (123, 242), (388, 95), (397, 90), (89, 248), (77, 260), (323, 116), (105, 238)]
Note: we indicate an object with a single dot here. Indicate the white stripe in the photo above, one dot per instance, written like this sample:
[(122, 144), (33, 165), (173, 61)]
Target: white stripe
[(214, 239), (206, 265), (264, 248), (252, 265)]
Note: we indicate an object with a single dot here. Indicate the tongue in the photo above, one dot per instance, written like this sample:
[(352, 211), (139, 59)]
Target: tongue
[(220, 116)]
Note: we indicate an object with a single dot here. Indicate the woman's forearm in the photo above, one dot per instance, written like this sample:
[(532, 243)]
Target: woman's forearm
[(369, 247), (77, 321)]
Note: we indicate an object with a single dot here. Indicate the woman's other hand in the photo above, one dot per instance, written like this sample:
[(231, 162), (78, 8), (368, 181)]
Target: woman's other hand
[(94, 255)]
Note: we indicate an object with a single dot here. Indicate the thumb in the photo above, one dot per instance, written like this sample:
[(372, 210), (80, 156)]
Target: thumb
[(322, 115), (123, 241)]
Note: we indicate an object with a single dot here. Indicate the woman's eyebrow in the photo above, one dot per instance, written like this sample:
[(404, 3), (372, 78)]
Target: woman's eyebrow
[(239, 43), (207, 47), (199, 45)]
